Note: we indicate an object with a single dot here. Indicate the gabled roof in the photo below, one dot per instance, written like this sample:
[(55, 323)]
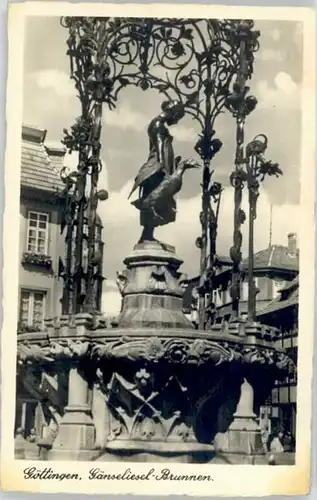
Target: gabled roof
[(37, 169), (275, 257)]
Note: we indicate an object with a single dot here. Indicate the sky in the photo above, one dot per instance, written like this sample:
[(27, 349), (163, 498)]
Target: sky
[(50, 103)]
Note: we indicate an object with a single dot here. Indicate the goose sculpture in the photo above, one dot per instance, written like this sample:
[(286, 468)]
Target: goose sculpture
[(162, 195)]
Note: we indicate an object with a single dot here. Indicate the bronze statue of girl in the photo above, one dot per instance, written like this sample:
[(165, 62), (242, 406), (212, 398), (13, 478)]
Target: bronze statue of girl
[(160, 165)]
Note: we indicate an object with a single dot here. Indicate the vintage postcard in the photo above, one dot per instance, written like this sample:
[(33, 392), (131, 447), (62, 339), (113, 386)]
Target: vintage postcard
[(159, 254)]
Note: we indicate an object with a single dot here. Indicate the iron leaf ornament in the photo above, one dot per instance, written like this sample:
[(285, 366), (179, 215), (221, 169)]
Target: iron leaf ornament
[(240, 103)]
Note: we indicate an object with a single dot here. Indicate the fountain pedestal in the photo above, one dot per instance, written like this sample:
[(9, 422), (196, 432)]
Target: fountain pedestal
[(152, 288), (150, 393)]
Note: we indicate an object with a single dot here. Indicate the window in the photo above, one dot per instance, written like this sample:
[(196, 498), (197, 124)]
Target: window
[(37, 232), (32, 308), (218, 297)]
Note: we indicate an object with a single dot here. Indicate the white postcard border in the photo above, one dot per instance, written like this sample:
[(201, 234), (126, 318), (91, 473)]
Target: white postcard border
[(226, 480)]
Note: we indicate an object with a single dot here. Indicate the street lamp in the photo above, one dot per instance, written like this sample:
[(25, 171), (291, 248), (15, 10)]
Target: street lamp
[(251, 170), (257, 168)]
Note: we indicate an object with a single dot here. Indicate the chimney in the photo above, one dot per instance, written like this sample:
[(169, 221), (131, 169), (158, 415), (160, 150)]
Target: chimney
[(292, 244)]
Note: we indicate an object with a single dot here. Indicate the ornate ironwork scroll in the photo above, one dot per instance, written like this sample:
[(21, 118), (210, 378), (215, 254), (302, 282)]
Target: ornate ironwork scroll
[(192, 60), (241, 105)]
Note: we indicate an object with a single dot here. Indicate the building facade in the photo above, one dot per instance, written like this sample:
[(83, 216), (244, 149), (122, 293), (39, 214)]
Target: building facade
[(274, 268), (283, 313), (41, 245), (41, 270), (276, 272)]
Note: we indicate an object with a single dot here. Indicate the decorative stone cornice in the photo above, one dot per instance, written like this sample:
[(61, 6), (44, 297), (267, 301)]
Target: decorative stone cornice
[(191, 351), (52, 351), (74, 338), (30, 352), (175, 351), (268, 357)]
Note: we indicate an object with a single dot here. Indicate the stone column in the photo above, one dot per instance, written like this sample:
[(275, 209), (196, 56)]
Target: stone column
[(18, 413), (23, 416), (101, 417), (76, 436)]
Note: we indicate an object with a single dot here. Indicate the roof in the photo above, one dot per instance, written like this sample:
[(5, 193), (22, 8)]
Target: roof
[(275, 257), (289, 296), (38, 171)]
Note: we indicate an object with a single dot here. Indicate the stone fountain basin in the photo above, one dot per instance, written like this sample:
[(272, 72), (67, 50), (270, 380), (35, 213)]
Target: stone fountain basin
[(229, 342)]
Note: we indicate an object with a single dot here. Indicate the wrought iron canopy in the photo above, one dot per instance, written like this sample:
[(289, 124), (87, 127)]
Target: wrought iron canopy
[(192, 60), (204, 63)]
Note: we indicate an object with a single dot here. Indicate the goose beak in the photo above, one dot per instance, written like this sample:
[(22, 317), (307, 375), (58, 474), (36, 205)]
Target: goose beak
[(192, 164)]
